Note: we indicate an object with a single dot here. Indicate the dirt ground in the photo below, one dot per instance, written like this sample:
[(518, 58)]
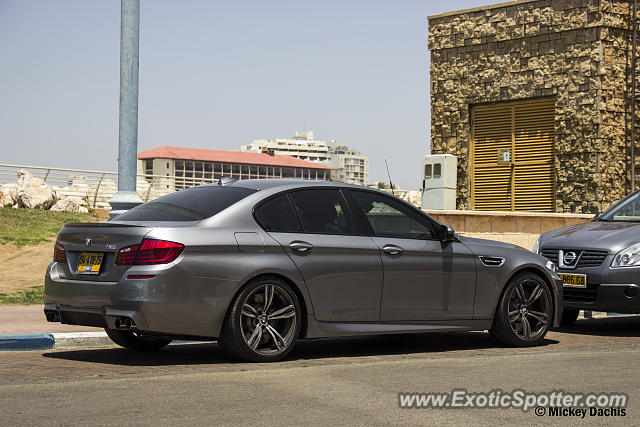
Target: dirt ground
[(22, 268)]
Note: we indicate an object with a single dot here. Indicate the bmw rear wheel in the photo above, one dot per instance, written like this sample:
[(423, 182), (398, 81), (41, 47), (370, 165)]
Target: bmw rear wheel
[(524, 313), (263, 322)]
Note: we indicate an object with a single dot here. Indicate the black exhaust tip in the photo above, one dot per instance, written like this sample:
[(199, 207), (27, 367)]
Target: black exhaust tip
[(125, 323), (52, 316)]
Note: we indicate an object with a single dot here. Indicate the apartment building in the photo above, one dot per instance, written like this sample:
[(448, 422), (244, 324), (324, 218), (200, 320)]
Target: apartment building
[(347, 164)]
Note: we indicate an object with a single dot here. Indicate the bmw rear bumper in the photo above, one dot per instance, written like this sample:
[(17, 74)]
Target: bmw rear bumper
[(172, 302)]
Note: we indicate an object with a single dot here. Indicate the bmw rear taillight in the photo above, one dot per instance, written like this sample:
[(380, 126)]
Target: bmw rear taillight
[(59, 255), (158, 252), (149, 252), (127, 256)]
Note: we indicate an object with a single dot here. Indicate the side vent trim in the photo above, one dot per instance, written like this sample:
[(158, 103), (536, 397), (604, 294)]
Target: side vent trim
[(491, 261)]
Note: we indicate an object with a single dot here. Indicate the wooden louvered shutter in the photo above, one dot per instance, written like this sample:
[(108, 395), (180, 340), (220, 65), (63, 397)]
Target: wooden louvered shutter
[(525, 182), (534, 156), (491, 182)]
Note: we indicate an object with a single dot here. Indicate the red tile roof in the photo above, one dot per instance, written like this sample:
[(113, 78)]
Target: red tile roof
[(205, 155)]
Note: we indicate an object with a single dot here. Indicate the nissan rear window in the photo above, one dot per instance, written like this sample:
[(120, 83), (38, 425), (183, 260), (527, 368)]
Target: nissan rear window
[(193, 204)]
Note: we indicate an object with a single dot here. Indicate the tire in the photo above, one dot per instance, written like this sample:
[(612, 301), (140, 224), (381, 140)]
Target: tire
[(133, 341), (524, 313), (569, 316), (263, 321)]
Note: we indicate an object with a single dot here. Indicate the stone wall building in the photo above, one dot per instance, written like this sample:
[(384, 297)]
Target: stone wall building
[(533, 97)]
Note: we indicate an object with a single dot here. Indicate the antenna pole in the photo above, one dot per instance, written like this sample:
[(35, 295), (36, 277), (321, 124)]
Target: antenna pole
[(389, 175)]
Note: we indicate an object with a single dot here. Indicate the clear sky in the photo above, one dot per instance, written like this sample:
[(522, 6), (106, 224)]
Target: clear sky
[(218, 74)]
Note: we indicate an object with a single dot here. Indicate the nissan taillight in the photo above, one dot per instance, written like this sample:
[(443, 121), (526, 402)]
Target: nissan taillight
[(149, 252), (59, 255)]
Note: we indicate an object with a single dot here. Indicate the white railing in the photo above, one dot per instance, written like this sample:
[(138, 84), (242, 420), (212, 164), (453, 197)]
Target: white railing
[(98, 187)]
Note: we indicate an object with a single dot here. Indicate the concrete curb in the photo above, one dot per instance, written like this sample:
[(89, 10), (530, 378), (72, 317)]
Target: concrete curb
[(26, 342), (53, 341), (62, 340), (586, 314), (81, 339)]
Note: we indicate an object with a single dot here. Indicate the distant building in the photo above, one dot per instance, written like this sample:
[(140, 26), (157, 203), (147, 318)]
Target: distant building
[(348, 165), (301, 146), (187, 167)]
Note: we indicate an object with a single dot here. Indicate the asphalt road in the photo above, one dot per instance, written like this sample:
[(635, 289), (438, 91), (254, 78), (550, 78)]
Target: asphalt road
[(352, 381)]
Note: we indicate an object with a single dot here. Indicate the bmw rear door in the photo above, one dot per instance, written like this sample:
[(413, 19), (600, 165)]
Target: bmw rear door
[(340, 264)]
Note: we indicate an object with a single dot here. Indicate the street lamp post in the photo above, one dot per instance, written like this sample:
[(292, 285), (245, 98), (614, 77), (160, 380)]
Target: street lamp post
[(126, 197)]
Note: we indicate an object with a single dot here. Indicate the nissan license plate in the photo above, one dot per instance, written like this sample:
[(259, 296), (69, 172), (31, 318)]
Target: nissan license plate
[(574, 280)]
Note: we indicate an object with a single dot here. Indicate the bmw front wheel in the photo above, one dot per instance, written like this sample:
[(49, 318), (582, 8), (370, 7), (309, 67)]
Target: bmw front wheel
[(524, 313), (263, 322)]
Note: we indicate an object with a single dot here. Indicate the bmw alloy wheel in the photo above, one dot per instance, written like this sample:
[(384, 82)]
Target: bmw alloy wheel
[(263, 323), (529, 309), (268, 320), (525, 311)]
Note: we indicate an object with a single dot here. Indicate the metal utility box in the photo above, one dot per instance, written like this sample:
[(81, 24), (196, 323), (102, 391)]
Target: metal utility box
[(439, 177)]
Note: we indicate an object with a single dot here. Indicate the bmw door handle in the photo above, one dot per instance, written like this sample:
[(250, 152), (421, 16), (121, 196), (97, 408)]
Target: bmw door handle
[(300, 246), (392, 249)]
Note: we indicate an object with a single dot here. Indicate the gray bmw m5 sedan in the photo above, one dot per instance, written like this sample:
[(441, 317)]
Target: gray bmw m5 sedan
[(257, 264)]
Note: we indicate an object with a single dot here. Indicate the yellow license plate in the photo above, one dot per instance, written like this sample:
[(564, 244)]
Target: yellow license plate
[(90, 262), (574, 280)]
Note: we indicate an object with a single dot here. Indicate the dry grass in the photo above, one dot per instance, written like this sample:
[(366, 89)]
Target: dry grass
[(26, 248), (31, 226)]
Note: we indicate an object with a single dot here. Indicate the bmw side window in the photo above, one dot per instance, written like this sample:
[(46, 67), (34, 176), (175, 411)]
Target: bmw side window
[(277, 214), (323, 211), (390, 218)]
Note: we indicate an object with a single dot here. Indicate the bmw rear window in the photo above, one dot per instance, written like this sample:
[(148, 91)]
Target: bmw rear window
[(192, 204)]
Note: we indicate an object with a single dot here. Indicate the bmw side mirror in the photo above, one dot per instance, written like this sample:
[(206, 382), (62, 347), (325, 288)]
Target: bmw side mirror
[(448, 234)]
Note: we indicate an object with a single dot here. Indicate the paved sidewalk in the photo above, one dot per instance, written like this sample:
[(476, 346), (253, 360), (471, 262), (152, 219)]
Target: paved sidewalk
[(29, 319)]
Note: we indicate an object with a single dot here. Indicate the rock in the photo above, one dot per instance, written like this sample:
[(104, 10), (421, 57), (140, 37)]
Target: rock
[(77, 189), (143, 188), (8, 194), (108, 189), (71, 204), (33, 192)]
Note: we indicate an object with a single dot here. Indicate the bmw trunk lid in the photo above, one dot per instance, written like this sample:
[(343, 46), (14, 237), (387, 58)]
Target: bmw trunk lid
[(97, 245)]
